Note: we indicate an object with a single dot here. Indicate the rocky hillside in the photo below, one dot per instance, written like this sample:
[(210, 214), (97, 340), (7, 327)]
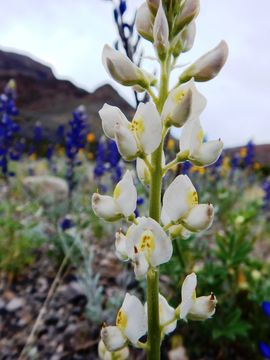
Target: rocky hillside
[(42, 97)]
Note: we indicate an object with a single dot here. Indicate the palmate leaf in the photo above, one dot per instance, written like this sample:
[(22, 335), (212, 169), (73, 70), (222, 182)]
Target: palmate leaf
[(232, 327)]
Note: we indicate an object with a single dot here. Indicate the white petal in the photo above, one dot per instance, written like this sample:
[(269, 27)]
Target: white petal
[(105, 207), (161, 29), (101, 350), (144, 22), (179, 198), (191, 137), (166, 313), (113, 338), (141, 265), (150, 137), (120, 246), (110, 116), (142, 171), (126, 142), (208, 153), (188, 36), (125, 195), (203, 308), (136, 325), (199, 218), (187, 293)]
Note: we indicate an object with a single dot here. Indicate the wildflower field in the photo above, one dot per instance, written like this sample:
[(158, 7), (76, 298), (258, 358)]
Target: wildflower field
[(135, 244)]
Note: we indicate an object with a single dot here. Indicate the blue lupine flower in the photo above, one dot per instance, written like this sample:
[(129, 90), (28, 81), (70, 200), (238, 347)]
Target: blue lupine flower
[(66, 223), (75, 140), (122, 7), (266, 308), (10, 147), (266, 198), (107, 161), (235, 161), (140, 200), (37, 132), (186, 167), (249, 158), (264, 349)]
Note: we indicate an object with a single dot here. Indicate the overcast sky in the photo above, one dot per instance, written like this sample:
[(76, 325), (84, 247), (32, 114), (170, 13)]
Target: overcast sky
[(69, 35)]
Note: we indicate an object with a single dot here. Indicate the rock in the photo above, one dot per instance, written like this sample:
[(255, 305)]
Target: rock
[(15, 304), (47, 187), (178, 354)]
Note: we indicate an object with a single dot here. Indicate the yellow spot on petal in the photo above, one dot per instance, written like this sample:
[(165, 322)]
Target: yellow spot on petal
[(137, 126), (178, 96), (194, 296), (192, 198), (117, 192), (121, 319), (147, 242)]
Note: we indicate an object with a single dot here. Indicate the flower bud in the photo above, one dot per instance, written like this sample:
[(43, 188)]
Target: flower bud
[(188, 36), (120, 246), (188, 12), (208, 66), (176, 231), (143, 172), (161, 32), (199, 218), (153, 5), (122, 69), (144, 22), (208, 153), (184, 41)]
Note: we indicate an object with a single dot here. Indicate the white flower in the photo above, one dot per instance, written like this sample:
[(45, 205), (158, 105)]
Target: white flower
[(122, 69), (166, 314), (200, 153), (141, 136), (194, 308), (147, 245), (180, 207), (121, 204), (188, 12), (120, 246), (161, 31), (104, 354), (144, 22), (179, 198), (207, 66), (183, 104), (131, 324)]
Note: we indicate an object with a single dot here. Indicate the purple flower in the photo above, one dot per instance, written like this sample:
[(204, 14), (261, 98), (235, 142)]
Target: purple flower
[(266, 308)]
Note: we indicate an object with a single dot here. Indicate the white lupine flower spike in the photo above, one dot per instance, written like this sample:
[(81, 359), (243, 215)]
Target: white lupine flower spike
[(131, 325), (139, 137), (147, 245), (193, 308), (121, 204), (200, 153)]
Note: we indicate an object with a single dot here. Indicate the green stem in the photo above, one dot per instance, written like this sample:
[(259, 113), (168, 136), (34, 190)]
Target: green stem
[(154, 331)]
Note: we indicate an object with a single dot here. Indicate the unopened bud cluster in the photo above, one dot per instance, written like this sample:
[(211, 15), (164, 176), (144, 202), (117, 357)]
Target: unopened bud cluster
[(147, 243)]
